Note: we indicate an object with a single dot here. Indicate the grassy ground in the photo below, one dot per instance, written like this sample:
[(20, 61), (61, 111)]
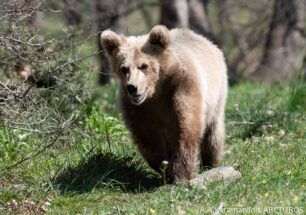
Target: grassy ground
[(95, 173)]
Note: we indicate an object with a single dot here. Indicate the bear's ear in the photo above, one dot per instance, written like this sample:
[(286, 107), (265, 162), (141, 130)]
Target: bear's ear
[(110, 42), (159, 35)]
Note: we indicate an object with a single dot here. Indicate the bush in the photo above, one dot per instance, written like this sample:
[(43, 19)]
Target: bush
[(43, 93)]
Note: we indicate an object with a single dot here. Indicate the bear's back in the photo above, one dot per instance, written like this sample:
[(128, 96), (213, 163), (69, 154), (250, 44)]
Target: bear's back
[(191, 47), (191, 40)]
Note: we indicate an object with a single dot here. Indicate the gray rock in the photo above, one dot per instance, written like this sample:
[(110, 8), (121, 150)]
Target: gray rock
[(224, 173)]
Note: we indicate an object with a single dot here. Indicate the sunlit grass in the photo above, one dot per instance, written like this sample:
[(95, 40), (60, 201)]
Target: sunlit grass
[(99, 174)]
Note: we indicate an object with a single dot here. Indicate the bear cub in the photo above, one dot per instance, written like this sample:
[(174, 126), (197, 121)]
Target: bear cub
[(173, 90)]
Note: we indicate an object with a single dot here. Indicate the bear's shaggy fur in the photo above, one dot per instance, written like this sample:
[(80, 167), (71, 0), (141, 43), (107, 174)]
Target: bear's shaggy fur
[(173, 93)]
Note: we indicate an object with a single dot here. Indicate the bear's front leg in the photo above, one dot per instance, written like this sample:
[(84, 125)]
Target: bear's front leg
[(183, 162)]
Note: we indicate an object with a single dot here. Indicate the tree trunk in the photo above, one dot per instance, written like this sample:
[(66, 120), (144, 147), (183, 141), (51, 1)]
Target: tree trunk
[(107, 14), (72, 14), (174, 13), (186, 14), (198, 19), (285, 44)]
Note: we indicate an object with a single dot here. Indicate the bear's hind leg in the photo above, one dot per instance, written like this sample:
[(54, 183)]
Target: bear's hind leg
[(212, 143)]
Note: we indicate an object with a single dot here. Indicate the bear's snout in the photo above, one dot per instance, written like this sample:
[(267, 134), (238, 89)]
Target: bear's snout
[(131, 89)]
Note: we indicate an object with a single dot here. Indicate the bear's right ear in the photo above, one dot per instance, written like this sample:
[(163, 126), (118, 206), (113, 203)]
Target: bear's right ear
[(110, 42), (159, 35)]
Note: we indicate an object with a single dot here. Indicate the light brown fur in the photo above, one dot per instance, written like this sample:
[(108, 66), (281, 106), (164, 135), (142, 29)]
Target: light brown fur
[(182, 78)]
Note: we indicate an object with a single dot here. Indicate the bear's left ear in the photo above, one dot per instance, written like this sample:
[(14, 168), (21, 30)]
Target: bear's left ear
[(159, 35), (110, 42)]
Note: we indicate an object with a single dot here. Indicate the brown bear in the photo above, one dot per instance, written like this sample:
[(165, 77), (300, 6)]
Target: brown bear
[(173, 90)]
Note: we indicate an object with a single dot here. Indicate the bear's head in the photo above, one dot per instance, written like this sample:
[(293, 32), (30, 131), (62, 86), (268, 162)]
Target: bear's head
[(137, 61)]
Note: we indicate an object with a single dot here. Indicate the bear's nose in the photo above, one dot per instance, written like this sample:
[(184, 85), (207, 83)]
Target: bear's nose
[(132, 89)]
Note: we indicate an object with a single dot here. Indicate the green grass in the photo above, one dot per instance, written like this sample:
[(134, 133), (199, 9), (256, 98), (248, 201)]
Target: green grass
[(100, 171)]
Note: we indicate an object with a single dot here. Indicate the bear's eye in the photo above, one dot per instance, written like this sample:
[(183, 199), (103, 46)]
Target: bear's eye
[(143, 66), (124, 70)]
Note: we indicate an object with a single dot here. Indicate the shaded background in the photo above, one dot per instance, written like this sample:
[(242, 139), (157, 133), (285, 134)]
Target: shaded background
[(262, 40)]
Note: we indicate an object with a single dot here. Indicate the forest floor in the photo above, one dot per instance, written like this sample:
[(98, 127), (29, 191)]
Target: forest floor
[(97, 175)]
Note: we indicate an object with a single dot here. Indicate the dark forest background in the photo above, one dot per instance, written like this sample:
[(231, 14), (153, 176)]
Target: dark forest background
[(262, 40)]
